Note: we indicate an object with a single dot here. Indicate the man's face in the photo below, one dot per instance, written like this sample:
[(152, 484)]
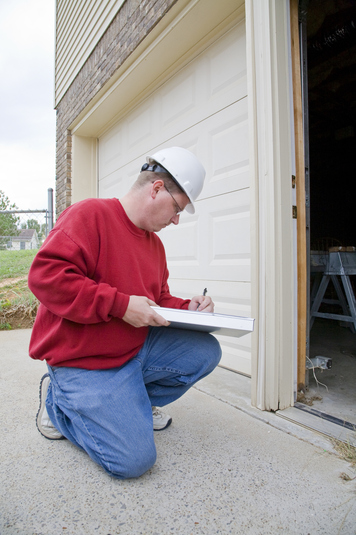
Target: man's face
[(166, 208)]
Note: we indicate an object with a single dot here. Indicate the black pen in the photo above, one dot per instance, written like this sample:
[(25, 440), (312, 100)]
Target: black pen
[(204, 294)]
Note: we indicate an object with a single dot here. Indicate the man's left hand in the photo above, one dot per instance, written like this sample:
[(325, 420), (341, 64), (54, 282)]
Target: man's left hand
[(201, 303)]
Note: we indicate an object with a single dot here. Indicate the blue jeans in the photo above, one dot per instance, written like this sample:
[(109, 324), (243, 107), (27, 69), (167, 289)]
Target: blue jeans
[(108, 413)]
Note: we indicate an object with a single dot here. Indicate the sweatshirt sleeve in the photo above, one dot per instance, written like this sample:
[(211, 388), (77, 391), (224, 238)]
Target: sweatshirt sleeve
[(61, 278), (167, 300)]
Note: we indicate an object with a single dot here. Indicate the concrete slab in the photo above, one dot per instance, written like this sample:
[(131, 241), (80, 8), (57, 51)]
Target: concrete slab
[(220, 470), (333, 391)]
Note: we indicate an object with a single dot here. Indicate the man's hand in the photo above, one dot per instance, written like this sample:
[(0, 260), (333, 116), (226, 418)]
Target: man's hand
[(140, 314), (201, 303)]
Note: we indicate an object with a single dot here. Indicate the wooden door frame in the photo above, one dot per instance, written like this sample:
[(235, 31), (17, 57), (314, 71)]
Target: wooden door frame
[(302, 271)]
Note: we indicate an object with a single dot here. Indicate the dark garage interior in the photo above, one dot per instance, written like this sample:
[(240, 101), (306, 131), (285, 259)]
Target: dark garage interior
[(330, 34)]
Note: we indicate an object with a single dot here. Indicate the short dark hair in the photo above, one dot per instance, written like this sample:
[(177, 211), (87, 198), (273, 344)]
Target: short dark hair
[(146, 177)]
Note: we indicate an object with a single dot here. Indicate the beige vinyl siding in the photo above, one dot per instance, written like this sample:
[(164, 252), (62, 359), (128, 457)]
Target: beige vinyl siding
[(80, 25)]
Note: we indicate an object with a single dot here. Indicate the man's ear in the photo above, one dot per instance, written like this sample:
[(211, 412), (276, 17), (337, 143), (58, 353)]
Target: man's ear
[(156, 186)]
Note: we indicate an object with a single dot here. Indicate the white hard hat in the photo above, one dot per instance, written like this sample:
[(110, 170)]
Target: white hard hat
[(185, 169)]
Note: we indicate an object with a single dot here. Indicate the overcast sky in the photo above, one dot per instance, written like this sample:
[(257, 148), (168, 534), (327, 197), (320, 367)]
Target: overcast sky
[(27, 116)]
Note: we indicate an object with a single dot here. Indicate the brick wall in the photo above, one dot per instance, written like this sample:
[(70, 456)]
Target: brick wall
[(131, 25)]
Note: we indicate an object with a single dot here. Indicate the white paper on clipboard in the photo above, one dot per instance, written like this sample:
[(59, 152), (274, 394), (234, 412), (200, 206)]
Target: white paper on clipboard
[(210, 322)]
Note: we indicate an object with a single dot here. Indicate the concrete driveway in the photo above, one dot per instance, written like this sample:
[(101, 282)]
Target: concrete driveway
[(221, 469)]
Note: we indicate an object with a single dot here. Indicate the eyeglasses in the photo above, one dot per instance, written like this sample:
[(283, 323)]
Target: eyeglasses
[(179, 208)]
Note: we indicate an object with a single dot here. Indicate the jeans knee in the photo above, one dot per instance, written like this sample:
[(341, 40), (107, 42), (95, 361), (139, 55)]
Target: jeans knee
[(133, 466), (214, 352)]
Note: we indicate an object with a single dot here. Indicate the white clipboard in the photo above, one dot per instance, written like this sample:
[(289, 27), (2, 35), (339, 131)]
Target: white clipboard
[(209, 322)]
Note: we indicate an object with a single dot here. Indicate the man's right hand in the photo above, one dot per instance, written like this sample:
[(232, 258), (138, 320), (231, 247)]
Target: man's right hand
[(140, 314)]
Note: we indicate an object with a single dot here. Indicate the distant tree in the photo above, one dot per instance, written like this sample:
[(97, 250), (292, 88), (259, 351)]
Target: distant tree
[(8, 222), (43, 229), (33, 223)]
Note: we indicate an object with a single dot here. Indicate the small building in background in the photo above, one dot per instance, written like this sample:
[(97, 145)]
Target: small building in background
[(27, 239)]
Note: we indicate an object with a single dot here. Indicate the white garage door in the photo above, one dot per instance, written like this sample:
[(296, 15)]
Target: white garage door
[(204, 109)]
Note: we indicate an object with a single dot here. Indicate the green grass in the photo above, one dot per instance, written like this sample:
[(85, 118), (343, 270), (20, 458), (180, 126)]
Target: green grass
[(17, 302), (15, 263)]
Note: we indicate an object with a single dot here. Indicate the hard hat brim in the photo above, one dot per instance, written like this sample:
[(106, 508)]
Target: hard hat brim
[(190, 208)]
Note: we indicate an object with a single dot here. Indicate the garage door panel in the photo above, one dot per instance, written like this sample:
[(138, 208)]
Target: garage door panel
[(236, 356), (111, 151), (199, 91), (229, 241), (229, 298), (119, 182), (186, 102), (228, 167), (181, 243), (179, 100), (202, 108), (221, 142), (219, 237), (227, 66), (112, 185), (140, 127)]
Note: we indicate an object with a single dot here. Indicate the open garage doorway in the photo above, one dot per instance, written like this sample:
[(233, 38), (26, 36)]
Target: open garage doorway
[(330, 46)]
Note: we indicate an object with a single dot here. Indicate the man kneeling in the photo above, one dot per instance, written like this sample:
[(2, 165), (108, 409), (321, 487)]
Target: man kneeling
[(112, 360)]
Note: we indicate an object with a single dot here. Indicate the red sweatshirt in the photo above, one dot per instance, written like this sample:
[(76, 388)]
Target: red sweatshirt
[(83, 275)]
